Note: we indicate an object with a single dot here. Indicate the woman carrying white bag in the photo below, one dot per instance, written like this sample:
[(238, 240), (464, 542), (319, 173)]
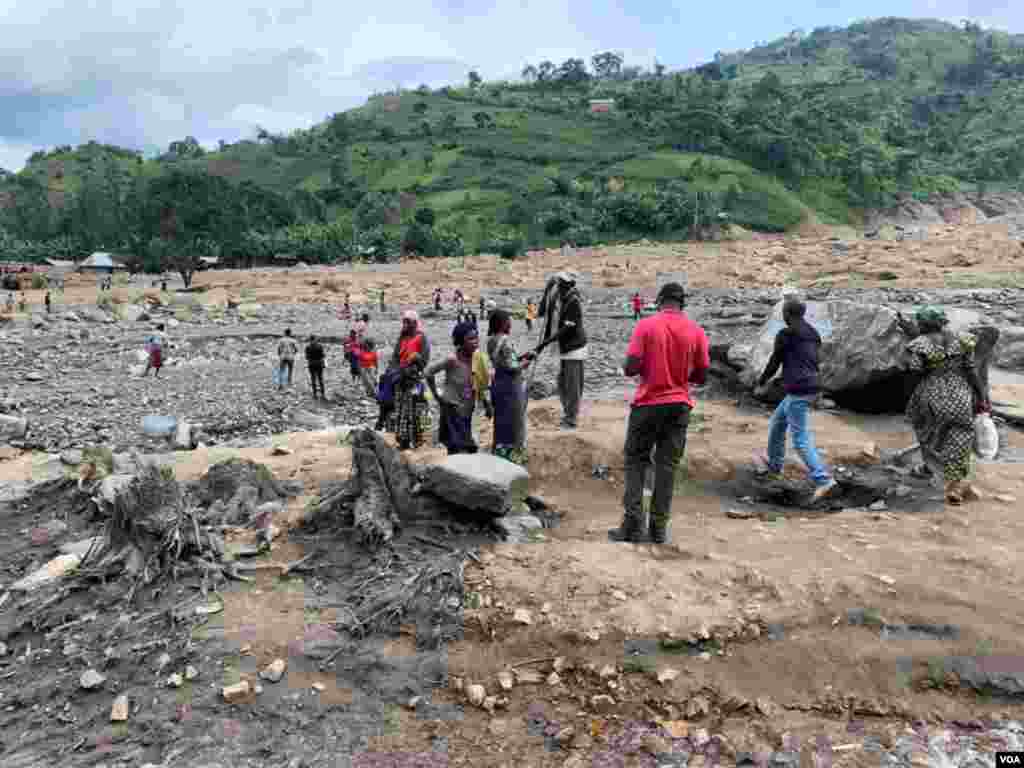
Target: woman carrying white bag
[(949, 409)]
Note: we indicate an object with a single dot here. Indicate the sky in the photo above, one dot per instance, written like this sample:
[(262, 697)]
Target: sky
[(142, 74)]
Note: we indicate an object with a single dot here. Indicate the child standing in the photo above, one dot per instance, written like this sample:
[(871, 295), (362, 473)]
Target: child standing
[(459, 397), (368, 367)]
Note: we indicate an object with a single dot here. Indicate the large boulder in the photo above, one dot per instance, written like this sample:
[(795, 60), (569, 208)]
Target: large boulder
[(478, 482), (1009, 353), (863, 360)]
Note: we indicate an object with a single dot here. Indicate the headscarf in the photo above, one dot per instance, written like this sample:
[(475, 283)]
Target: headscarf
[(932, 317), (462, 332), (410, 314)]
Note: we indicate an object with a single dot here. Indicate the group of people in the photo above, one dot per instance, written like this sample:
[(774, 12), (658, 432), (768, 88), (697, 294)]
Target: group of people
[(668, 351)]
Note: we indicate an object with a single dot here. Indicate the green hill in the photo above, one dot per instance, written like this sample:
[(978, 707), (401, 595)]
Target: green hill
[(823, 124)]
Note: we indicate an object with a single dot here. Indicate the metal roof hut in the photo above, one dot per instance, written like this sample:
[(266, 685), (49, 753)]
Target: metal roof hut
[(101, 263)]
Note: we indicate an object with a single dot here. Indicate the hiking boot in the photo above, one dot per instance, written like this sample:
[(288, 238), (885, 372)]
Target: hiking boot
[(659, 532), (630, 531), (824, 491)]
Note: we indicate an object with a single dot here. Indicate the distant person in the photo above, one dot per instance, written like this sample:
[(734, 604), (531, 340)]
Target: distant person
[(10, 301), (668, 351), (352, 354), (508, 395), (382, 300), (155, 345), (410, 358), (362, 326), (48, 302), (458, 400), (796, 352), (483, 308), (315, 359), (460, 300), (163, 286), (23, 302), (437, 299), (561, 293), (287, 349), (531, 314), (368, 364), (638, 306)]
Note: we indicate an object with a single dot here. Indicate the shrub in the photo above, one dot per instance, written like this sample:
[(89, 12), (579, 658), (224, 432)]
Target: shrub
[(425, 217), (39, 282), (510, 248), (581, 235), (105, 301)]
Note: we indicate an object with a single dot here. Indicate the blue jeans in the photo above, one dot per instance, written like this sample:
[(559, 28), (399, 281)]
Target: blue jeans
[(793, 414)]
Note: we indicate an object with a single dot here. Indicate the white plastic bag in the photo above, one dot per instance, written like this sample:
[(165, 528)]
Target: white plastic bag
[(986, 438)]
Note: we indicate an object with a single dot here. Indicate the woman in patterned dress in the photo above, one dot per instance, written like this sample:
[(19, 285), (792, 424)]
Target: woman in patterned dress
[(411, 356), (943, 406), (508, 395)]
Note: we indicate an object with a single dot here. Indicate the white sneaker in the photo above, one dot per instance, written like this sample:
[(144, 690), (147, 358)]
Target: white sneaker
[(824, 491)]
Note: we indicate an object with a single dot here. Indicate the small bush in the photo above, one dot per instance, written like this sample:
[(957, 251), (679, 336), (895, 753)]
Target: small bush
[(40, 282), (247, 294), (105, 301), (183, 314), (121, 279), (510, 249), (581, 236)]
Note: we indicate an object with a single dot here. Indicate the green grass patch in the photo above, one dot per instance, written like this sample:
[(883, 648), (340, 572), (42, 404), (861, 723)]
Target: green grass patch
[(639, 665)]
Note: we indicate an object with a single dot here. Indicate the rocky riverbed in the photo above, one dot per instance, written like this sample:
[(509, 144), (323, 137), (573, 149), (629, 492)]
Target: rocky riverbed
[(76, 376)]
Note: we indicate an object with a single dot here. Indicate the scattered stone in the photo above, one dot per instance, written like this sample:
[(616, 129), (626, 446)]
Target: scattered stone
[(12, 427), (697, 707), (280, 450), (274, 671), (175, 681), (236, 692), (593, 636), (71, 457), (607, 672), (91, 679), (766, 706), (119, 710), (3, 650), (667, 675), (1005, 498), (740, 514), (519, 529), (602, 703), (554, 679), (506, 680), (476, 694), (319, 687), (191, 673), (878, 506), (619, 595), (522, 616), (887, 580)]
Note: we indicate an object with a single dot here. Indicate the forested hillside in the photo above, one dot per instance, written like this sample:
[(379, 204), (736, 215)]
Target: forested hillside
[(830, 122)]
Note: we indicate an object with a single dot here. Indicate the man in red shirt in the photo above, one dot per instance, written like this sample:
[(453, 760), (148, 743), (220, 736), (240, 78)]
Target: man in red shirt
[(668, 351)]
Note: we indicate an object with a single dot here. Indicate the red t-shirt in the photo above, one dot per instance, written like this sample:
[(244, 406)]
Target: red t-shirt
[(409, 347), (638, 303), (671, 346), (367, 359)]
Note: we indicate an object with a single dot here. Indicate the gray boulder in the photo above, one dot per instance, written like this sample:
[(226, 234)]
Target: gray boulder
[(478, 482), (863, 362), (518, 529), (1009, 352), (12, 427)]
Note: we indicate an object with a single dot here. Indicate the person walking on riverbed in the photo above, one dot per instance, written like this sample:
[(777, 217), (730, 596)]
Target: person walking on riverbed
[(796, 352), (315, 362), (668, 351), (287, 349), (458, 400)]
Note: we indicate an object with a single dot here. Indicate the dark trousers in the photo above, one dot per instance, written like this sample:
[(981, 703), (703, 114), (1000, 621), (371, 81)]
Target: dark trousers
[(661, 428), (316, 376), (570, 390), (289, 365)]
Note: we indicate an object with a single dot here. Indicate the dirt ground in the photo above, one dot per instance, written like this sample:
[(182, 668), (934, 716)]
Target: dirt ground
[(749, 634)]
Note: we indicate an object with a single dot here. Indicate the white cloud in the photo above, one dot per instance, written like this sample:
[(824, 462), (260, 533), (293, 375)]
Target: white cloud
[(145, 72), (14, 155)]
